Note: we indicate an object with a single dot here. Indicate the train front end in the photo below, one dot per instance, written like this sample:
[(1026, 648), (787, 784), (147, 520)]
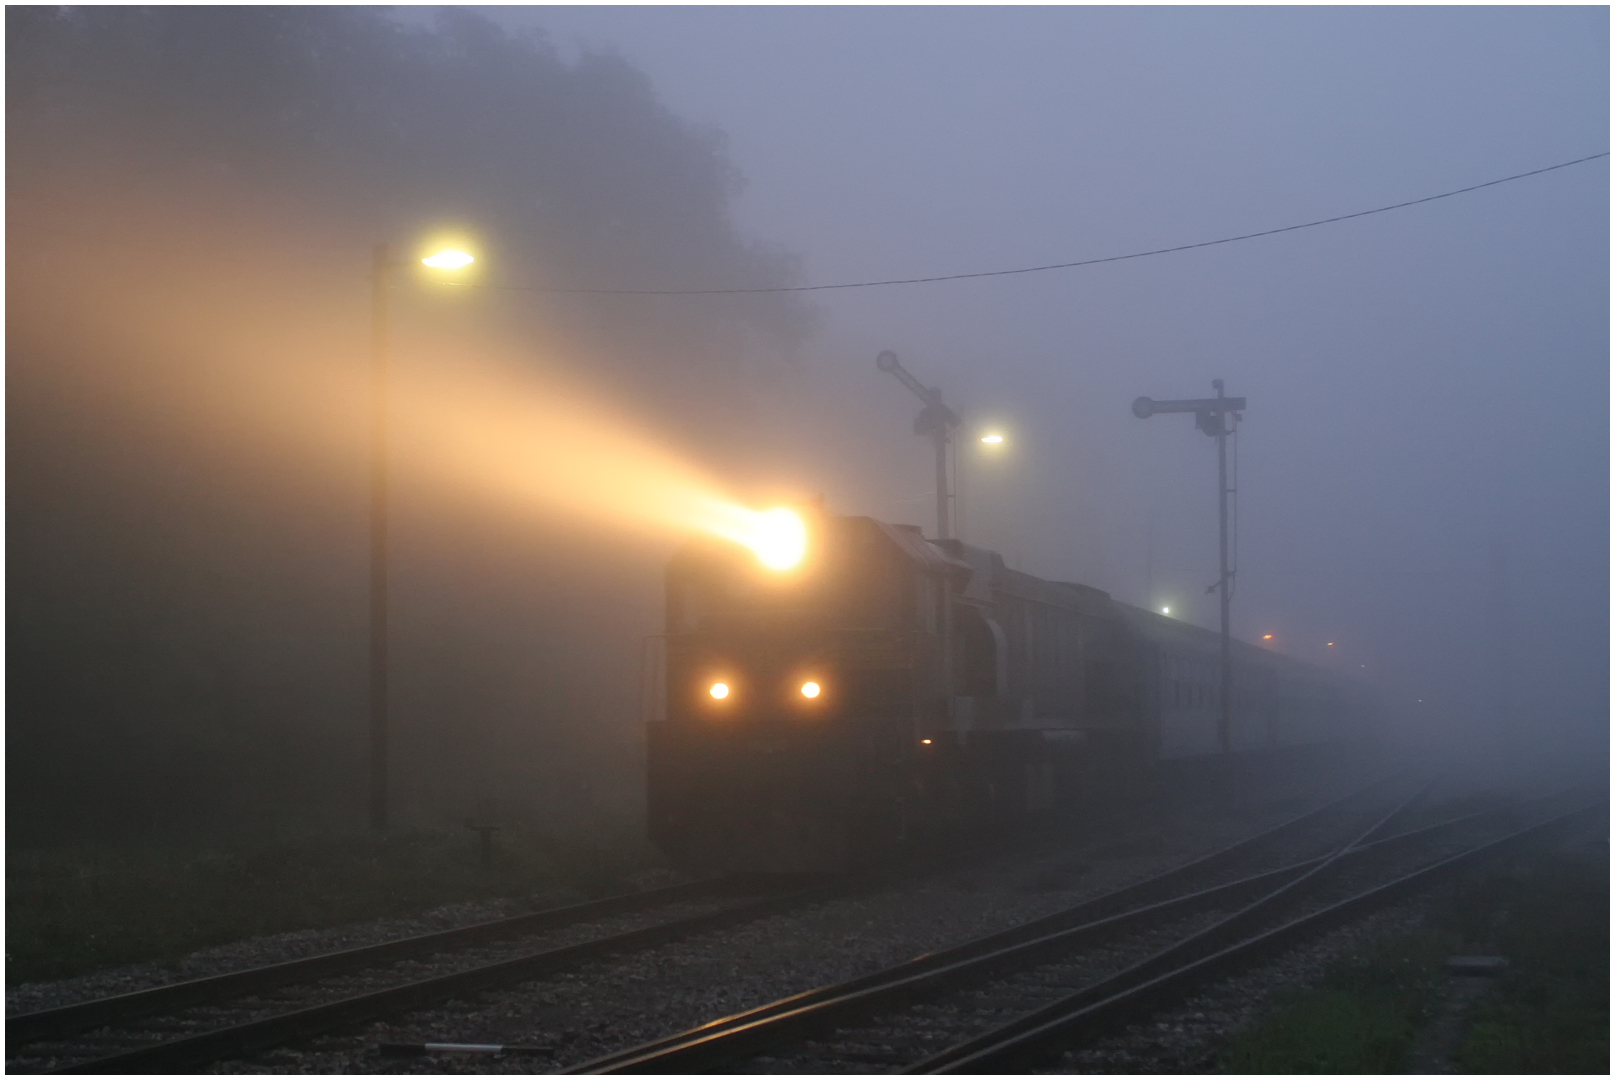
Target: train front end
[(791, 691)]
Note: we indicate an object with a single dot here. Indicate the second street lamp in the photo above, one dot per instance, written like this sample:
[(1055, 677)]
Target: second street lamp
[(971, 476), (381, 266)]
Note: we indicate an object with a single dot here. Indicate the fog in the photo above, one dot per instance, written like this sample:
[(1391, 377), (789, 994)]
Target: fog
[(1424, 464), (193, 194)]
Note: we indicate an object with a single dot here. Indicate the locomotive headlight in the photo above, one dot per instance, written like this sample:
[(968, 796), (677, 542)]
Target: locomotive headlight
[(810, 689), (718, 690), (780, 539)]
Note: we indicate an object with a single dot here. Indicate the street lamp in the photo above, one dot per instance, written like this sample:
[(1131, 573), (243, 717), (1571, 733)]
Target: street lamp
[(972, 478), (381, 266)]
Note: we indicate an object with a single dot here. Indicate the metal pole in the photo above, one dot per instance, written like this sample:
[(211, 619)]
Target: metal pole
[(1149, 557), (1210, 411), (1503, 617), (1225, 714), (934, 420), (380, 265)]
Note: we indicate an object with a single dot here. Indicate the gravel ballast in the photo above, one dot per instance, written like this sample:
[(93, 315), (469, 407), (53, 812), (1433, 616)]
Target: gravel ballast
[(621, 1002)]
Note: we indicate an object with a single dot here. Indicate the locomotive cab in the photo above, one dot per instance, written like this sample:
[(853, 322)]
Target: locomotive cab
[(793, 696)]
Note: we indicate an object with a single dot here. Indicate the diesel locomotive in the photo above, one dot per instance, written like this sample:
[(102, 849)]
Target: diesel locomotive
[(873, 686)]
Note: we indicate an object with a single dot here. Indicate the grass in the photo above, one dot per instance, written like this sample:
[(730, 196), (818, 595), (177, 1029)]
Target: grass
[(1550, 1013), (1362, 1018), (71, 912)]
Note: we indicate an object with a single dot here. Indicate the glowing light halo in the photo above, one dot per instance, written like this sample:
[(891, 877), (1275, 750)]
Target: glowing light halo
[(810, 689), (781, 539), (449, 259), (719, 690)]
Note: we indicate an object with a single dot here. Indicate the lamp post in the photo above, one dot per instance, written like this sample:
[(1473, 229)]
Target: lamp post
[(381, 267), (969, 475), (1211, 415)]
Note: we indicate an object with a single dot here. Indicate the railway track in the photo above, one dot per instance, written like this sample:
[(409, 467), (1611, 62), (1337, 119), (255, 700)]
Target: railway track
[(189, 1025), (1095, 1010), (185, 1025), (1007, 1001)]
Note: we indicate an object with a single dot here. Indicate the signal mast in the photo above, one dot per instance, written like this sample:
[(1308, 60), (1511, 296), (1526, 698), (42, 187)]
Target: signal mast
[(1212, 416), (935, 420)]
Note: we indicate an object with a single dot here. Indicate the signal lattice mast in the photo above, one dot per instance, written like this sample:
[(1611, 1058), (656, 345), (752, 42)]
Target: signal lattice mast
[(1216, 417)]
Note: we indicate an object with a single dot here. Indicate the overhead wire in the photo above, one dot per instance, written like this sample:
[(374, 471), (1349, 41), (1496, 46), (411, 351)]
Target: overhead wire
[(1027, 269), (34, 225)]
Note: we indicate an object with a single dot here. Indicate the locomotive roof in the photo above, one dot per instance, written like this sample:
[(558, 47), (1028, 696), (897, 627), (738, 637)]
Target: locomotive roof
[(986, 575), (911, 542)]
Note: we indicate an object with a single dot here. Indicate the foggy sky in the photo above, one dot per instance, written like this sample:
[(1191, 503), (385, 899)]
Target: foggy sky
[(1428, 387)]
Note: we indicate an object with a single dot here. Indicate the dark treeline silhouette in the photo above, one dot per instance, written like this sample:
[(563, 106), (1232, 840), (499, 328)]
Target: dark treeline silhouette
[(186, 611)]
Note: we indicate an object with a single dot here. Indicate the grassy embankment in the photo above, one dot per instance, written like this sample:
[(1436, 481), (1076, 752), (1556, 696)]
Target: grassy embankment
[(70, 912), (1548, 1014)]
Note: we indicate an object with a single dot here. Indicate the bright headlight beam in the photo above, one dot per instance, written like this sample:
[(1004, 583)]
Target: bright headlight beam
[(810, 689), (779, 539), (719, 690)]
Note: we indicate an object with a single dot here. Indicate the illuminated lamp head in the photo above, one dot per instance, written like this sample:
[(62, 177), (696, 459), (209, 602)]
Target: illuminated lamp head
[(449, 259), (718, 690), (779, 539), (811, 690)]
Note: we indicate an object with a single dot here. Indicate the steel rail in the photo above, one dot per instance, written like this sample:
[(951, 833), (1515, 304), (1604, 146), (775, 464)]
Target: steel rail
[(68, 1020), (743, 1033), (245, 1038), (1080, 1015), (1185, 949), (238, 1040), (121, 1008)]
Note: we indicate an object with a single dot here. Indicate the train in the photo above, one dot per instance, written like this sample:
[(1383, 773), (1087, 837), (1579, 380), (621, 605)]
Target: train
[(822, 711)]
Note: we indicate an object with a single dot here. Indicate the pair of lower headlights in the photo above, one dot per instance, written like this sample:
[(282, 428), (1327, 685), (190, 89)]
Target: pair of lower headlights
[(720, 690)]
